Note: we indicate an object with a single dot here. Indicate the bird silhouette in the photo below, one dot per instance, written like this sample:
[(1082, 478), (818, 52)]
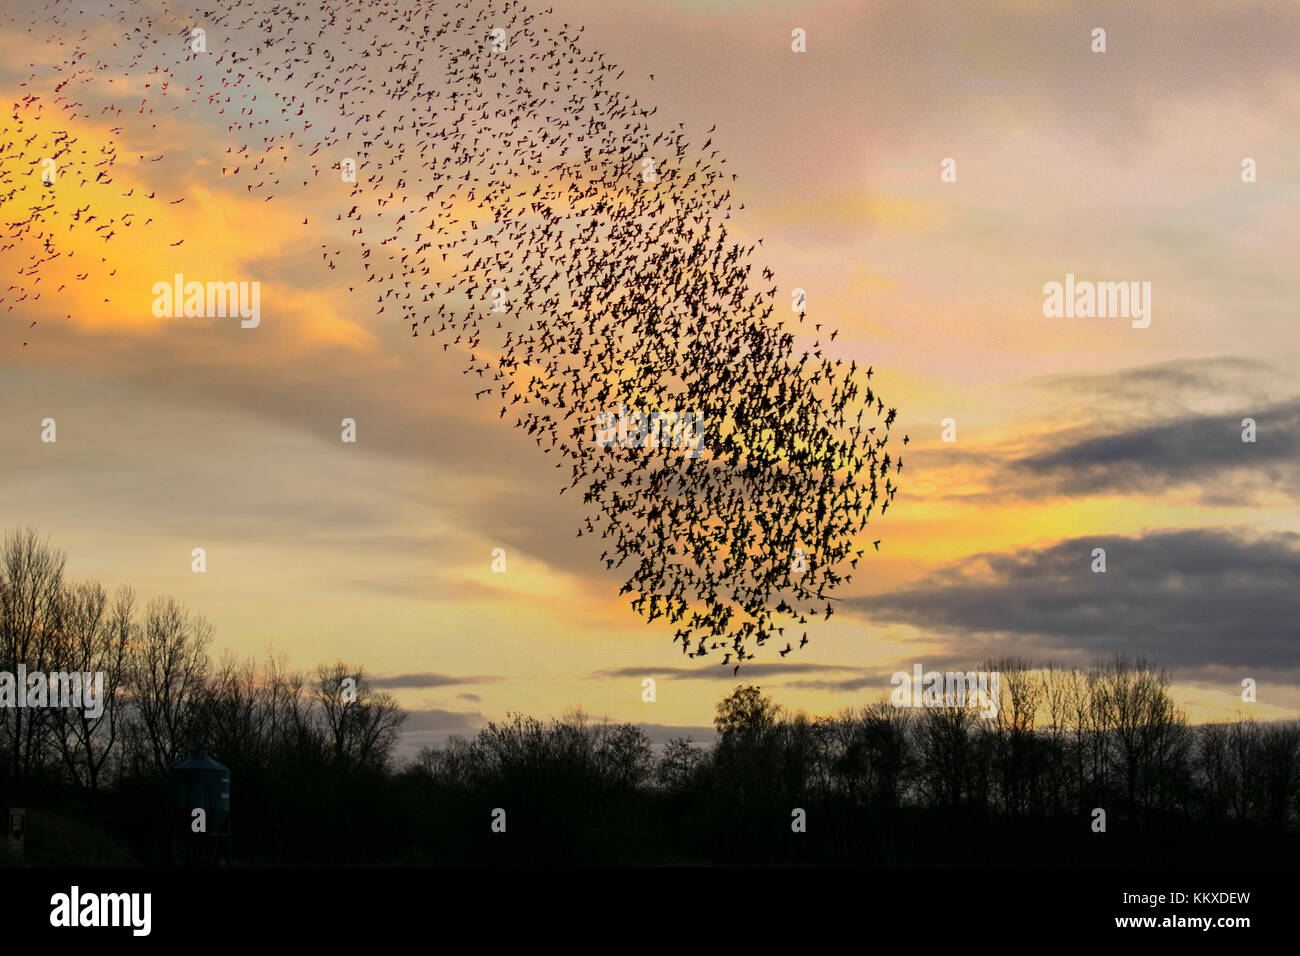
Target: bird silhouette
[(576, 254)]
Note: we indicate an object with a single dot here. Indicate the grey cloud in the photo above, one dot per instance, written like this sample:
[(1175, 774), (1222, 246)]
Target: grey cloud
[(1178, 385), (1146, 430), (1183, 598), (431, 727), (715, 672), (442, 721), (1195, 450), (877, 680), (427, 679)]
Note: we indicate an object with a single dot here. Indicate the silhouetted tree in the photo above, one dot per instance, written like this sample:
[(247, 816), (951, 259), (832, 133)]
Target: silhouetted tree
[(31, 599), (166, 671), (93, 639), (884, 783), (678, 764), (362, 725)]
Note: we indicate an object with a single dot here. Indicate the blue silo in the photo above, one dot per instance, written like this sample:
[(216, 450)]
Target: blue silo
[(202, 783)]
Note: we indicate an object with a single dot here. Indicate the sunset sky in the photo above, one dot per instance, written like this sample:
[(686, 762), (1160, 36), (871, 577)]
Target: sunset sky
[(1072, 433)]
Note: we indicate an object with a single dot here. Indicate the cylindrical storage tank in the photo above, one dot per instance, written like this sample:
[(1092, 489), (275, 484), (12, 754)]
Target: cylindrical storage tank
[(202, 783)]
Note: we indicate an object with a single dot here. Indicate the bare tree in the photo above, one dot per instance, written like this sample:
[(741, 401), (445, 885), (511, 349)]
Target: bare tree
[(624, 756), (947, 754), (167, 669), (1147, 727), (294, 731), (362, 726), (93, 640), (1012, 731), (234, 713), (1090, 728), (799, 742), (678, 764), (1279, 781), (886, 741), (1056, 697), (31, 586)]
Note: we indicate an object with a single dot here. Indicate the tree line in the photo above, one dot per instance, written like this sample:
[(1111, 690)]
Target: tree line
[(314, 777)]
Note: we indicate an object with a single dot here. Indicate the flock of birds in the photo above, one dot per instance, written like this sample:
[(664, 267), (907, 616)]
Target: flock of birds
[(511, 201)]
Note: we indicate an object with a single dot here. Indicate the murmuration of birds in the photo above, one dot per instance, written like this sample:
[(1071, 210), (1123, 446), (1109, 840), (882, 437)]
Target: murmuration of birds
[(511, 201)]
